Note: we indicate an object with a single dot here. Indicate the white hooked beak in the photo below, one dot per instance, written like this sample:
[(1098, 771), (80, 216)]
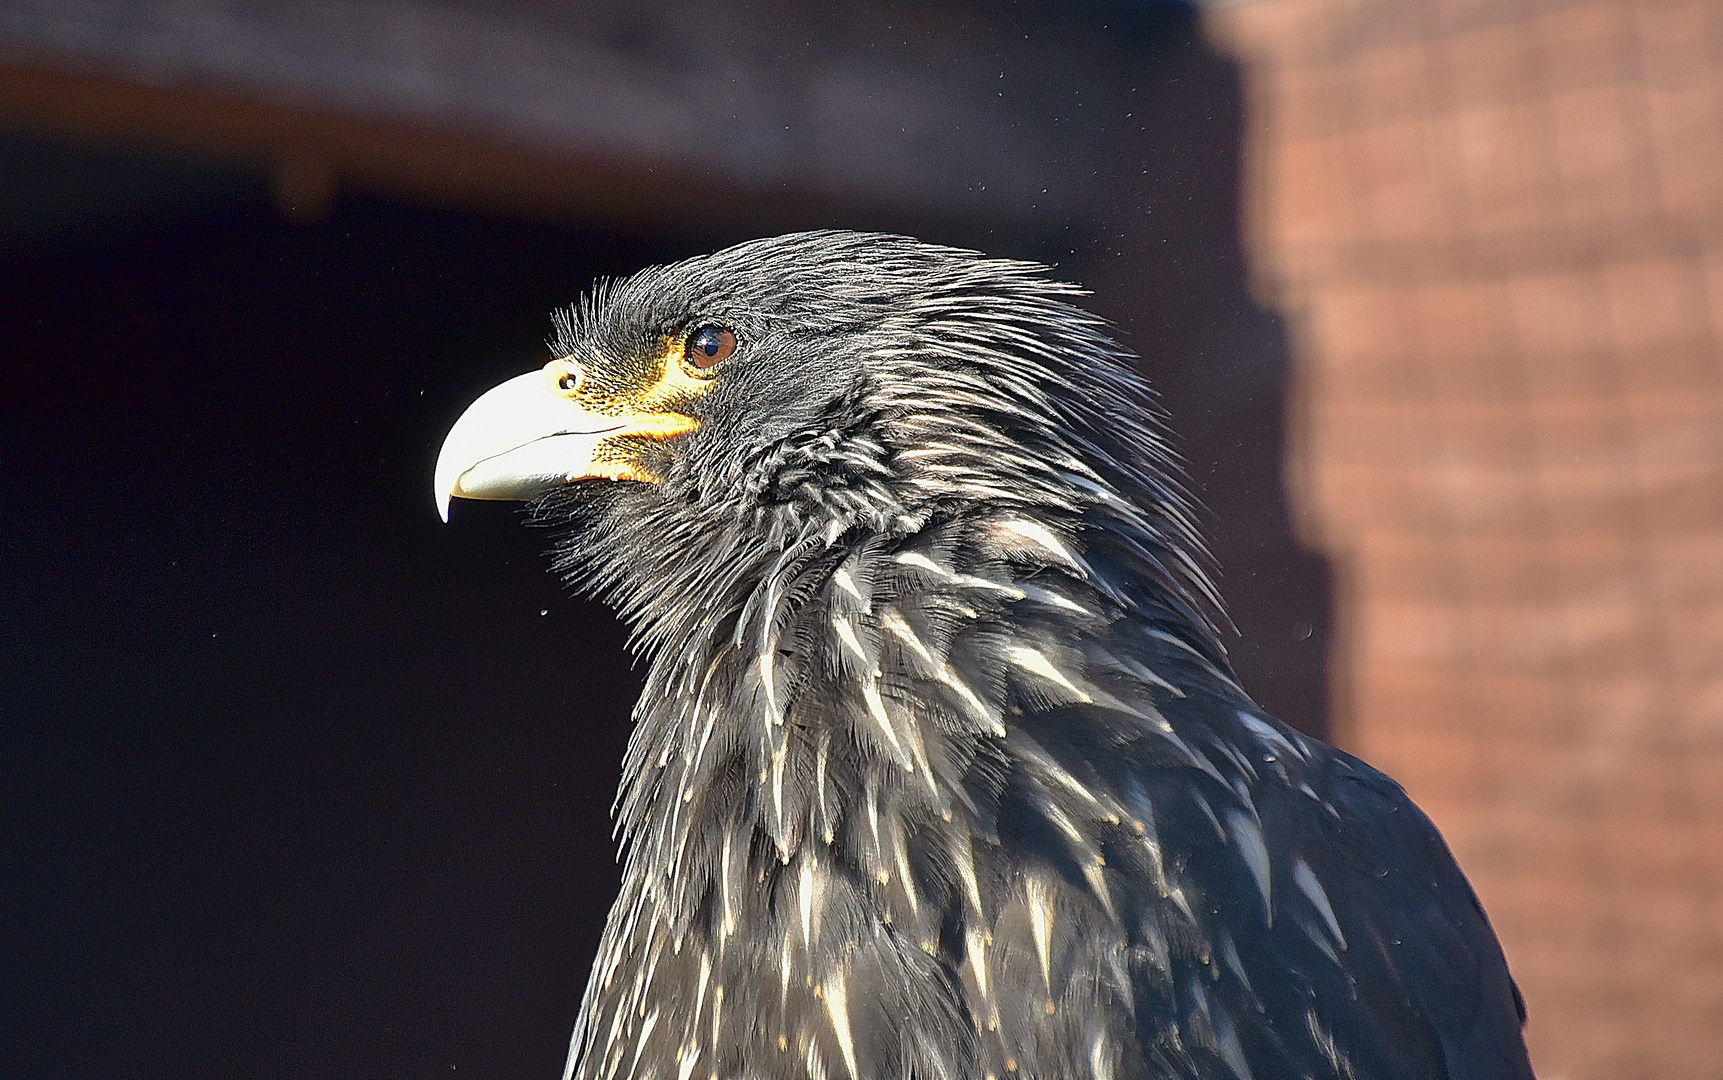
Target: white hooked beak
[(517, 441)]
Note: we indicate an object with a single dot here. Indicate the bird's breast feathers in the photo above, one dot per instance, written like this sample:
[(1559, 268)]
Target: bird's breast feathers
[(940, 770)]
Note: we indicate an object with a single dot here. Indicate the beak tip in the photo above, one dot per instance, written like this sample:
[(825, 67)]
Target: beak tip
[(515, 442), (443, 493)]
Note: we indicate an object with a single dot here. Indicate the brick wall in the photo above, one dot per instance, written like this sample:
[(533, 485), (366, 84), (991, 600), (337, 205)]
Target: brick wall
[(1497, 230)]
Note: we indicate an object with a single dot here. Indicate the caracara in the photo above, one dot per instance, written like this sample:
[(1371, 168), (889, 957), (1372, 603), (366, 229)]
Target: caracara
[(940, 770)]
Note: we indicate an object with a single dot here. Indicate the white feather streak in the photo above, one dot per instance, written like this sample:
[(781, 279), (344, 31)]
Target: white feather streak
[(847, 635), (908, 882), (820, 761), (768, 682), (838, 1007), (1305, 878), (963, 854), (728, 926), (778, 757), (930, 450), (876, 707), (978, 959), (893, 622), (806, 898), (1033, 662), (846, 583), (921, 562), (994, 725), (1041, 925), (1041, 536), (1255, 852)]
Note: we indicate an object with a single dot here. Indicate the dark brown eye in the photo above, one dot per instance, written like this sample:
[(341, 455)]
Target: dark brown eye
[(709, 346)]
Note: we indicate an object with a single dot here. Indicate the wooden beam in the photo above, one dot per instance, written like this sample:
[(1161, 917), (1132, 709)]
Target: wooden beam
[(310, 153)]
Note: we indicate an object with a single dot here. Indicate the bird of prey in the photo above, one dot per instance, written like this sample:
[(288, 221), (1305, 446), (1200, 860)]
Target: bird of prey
[(940, 770)]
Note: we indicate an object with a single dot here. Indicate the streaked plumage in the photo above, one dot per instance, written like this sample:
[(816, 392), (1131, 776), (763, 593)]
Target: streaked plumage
[(940, 770)]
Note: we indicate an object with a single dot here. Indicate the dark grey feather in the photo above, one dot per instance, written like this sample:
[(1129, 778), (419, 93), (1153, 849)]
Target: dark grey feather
[(940, 770)]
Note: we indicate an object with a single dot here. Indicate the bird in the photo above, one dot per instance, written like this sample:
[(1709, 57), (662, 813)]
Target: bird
[(940, 769)]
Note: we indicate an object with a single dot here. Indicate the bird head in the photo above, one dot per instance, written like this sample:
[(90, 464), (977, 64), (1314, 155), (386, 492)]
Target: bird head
[(814, 389), (681, 377)]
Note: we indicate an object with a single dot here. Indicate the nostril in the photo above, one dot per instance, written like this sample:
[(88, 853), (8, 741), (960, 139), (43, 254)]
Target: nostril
[(564, 376)]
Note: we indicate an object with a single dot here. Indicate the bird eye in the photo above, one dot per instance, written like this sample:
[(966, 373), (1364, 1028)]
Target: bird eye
[(709, 346)]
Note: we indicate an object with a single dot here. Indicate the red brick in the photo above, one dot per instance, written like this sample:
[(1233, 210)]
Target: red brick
[(1397, 180), (1710, 273), (1511, 392), (1602, 171), (1464, 326), (1361, 328), (1582, 45), (1504, 162), (1680, 43), (1289, 31), (1301, 102), (1683, 117), (1391, 83), (1485, 65), (1556, 314), (1478, 433), (1310, 200), (1653, 306)]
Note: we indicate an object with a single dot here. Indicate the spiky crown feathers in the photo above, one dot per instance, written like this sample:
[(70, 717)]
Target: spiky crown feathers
[(884, 384)]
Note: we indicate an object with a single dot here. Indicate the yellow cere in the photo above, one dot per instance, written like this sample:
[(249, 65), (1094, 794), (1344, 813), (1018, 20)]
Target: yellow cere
[(649, 404), (649, 394), (649, 418), (676, 383)]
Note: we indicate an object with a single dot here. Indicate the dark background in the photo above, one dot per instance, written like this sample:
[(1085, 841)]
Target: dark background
[(297, 781)]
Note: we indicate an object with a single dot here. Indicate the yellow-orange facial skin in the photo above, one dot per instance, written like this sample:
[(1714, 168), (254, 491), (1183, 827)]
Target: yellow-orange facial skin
[(650, 398), (615, 418)]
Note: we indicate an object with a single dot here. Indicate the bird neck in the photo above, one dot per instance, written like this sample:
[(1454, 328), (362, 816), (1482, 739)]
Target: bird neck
[(837, 728), (876, 679)]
